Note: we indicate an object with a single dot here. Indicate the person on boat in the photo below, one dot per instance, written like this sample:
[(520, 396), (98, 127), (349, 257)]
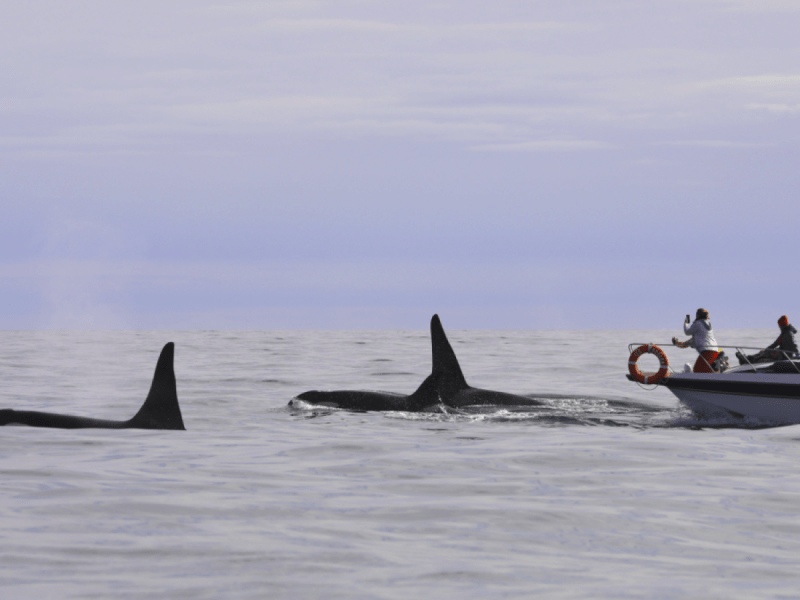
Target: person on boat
[(784, 348), (702, 340)]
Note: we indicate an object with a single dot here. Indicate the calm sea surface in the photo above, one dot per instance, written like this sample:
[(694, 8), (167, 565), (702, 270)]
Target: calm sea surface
[(607, 491)]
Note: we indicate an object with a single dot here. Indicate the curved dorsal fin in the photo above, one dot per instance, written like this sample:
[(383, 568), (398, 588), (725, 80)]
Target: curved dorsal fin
[(427, 394), (445, 363), (161, 410)]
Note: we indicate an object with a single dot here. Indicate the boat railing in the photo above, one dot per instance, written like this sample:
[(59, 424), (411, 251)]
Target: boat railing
[(790, 357)]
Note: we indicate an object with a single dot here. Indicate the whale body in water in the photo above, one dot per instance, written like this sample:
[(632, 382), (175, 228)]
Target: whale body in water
[(444, 386), (159, 411), (425, 397)]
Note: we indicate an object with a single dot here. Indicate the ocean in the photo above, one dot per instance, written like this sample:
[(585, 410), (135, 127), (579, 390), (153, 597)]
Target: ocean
[(608, 490)]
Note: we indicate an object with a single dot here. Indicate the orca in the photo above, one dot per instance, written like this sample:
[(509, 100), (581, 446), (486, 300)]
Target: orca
[(423, 398), (159, 411), (445, 386), (452, 388)]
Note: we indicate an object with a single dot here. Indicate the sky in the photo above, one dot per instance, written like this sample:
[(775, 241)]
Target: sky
[(363, 164)]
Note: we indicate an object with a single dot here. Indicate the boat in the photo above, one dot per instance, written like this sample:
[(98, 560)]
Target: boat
[(766, 391)]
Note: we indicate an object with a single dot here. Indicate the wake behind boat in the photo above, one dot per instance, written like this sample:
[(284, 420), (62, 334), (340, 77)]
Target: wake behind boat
[(768, 391)]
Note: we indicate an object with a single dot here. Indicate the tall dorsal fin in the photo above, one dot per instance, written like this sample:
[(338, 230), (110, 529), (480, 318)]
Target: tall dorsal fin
[(445, 363), (161, 410)]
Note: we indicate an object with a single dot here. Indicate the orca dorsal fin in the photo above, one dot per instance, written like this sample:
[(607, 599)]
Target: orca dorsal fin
[(427, 394), (445, 364), (161, 410)]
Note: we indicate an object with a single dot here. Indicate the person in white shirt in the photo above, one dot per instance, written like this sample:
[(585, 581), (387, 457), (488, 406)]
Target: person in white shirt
[(702, 340)]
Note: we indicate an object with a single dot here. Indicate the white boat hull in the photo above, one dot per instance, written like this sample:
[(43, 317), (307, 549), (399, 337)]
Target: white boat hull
[(772, 397)]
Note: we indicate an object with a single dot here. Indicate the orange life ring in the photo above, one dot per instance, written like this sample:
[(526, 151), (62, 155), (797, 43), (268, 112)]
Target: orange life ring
[(648, 377)]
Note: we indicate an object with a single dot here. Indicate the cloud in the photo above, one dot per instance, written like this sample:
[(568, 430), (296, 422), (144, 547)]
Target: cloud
[(545, 146), (753, 6), (776, 108), (773, 83), (467, 32), (496, 79), (721, 144)]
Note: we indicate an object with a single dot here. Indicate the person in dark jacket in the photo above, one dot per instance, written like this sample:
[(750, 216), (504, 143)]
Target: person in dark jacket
[(785, 347)]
